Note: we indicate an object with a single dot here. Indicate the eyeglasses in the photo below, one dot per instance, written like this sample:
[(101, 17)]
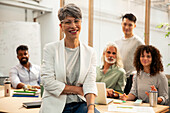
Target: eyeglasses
[(114, 53), (69, 22)]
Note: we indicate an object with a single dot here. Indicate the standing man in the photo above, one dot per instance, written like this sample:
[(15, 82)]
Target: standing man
[(127, 46), (25, 73), (111, 72)]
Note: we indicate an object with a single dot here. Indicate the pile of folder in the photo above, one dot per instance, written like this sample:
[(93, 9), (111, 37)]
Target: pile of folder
[(25, 94)]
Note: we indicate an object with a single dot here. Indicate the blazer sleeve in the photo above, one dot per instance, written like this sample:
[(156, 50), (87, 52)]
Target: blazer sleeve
[(89, 85), (48, 77)]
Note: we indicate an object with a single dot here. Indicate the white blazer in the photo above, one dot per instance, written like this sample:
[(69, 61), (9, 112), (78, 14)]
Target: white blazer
[(53, 75)]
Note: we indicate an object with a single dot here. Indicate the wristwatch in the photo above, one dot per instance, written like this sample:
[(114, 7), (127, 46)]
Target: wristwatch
[(115, 96), (25, 87)]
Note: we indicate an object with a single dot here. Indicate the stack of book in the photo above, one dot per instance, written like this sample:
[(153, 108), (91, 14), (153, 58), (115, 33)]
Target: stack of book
[(25, 94)]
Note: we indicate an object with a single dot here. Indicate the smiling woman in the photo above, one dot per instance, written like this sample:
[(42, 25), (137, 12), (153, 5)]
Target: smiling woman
[(71, 27), (148, 59), (69, 69), (150, 75)]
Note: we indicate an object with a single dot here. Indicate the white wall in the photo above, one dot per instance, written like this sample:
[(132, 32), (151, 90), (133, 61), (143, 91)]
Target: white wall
[(49, 23), (14, 34), (107, 23), (8, 13)]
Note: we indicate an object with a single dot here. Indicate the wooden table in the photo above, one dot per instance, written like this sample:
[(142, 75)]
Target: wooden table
[(157, 109), (14, 104)]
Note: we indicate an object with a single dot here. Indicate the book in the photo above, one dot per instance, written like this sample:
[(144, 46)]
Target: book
[(138, 102), (117, 101), (14, 95), (25, 94), (33, 104), (25, 91)]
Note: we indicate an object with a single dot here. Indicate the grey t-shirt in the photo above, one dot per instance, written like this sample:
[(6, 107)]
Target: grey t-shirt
[(127, 48), (144, 82), (72, 57)]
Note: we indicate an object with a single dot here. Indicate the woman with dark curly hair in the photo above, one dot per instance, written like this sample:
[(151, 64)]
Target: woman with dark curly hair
[(148, 64)]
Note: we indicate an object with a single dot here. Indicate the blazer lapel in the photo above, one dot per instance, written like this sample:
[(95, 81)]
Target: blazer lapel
[(84, 63), (61, 60)]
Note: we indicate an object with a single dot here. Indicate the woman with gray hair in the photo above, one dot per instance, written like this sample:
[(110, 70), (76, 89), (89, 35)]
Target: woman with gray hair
[(111, 71), (68, 71)]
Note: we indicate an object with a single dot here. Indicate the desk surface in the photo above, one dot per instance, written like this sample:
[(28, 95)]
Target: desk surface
[(14, 105), (157, 109)]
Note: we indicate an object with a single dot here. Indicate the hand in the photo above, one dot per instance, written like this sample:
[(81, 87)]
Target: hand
[(79, 90), (123, 97), (90, 111), (38, 87), (109, 92), (69, 90), (116, 95), (152, 89)]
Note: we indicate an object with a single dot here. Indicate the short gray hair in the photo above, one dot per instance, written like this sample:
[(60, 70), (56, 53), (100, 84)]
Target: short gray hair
[(69, 10), (118, 57)]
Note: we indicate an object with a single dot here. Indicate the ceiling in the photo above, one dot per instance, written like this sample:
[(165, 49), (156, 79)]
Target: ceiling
[(158, 4), (161, 4)]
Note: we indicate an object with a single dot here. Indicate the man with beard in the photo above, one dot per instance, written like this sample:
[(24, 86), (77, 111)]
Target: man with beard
[(111, 71), (25, 73)]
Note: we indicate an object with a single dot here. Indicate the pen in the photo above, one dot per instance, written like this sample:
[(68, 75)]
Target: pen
[(120, 93)]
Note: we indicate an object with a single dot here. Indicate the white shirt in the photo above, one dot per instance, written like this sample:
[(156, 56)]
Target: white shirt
[(20, 74), (127, 48), (72, 57)]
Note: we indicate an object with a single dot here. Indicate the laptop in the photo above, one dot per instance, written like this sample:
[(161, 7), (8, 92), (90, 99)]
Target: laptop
[(34, 104), (102, 96)]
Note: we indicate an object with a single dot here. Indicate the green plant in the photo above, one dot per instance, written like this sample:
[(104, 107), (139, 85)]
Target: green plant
[(167, 28)]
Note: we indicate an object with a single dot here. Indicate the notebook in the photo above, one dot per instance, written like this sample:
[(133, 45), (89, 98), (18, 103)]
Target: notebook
[(34, 104), (102, 96)]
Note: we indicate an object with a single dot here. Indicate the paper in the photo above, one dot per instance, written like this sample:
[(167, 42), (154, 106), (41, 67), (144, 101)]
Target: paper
[(135, 109), (117, 101)]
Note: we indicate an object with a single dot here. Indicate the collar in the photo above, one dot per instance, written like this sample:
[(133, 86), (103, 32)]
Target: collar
[(21, 66), (148, 74), (111, 67), (128, 38)]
